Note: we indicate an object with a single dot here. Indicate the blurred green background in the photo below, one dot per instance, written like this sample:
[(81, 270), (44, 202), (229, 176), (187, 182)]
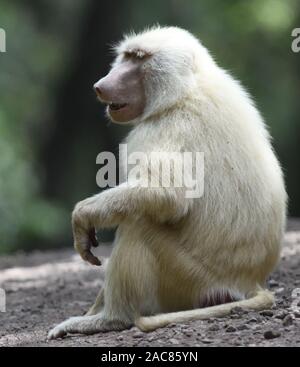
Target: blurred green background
[(52, 128)]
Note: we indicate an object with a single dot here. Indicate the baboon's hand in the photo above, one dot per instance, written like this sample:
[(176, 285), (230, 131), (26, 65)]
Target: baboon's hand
[(84, 231)]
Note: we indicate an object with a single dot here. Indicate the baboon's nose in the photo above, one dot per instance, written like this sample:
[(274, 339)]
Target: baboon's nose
[(98, 90), (103, 90)]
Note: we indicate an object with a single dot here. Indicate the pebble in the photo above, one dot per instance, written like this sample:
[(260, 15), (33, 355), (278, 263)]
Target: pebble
[(237, 343), (273, 283), (267, 313), (288, 320), (214, 328), (279, 290), (207, 341), (174, 341), (238, 311), (230, 329), (281, 315), (271, 334), (235, 316), (243, 327), (253, 319), (138, 335)]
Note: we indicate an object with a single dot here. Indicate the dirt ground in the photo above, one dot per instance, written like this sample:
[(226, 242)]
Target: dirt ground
[(44, 288)]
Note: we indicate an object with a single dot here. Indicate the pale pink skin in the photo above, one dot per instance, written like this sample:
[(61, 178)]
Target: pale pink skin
[(123, 85)]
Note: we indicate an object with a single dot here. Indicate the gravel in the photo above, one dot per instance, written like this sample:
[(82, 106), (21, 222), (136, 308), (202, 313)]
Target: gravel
[(44, 288)]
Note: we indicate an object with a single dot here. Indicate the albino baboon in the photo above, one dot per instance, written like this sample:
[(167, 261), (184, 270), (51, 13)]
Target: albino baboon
[(175, 258)]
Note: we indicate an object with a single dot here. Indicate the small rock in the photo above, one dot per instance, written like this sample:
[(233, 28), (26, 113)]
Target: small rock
[(185, 327), (271, 334), (243, 327), (230, 329), (279, 290), (273, 283), (206, 341), (281, 315), (237, 343), (138, 335), (288, 320), (235, 316), (174, 341), (297, 314), (252, 320), (267, 313), (238, 311), (214, 328)]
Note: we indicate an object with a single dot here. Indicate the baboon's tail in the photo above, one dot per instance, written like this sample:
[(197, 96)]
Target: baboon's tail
[(262, 299)]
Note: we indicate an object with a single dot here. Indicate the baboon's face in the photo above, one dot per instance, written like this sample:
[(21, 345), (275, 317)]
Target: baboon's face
[(122, 89)]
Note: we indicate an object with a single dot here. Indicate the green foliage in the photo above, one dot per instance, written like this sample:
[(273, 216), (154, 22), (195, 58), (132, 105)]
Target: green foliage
[(26, 72)]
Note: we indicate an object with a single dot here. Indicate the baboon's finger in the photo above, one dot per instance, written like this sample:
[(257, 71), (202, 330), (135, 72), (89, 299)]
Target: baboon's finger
[(89, 257), (92, 237)]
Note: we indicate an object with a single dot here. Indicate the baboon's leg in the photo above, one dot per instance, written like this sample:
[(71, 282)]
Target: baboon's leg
[(98, 305)]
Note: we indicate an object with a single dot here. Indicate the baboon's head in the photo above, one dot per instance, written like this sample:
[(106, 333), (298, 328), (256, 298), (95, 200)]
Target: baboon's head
[(152, 71)]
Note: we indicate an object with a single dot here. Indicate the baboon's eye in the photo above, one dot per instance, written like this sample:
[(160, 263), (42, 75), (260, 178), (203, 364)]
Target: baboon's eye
[(136, 54)]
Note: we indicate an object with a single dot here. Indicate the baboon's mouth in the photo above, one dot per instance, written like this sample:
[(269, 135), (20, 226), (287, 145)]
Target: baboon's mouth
[(116, 106)]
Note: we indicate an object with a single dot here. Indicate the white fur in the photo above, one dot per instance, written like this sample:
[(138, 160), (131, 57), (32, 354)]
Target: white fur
[(170, 252)]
